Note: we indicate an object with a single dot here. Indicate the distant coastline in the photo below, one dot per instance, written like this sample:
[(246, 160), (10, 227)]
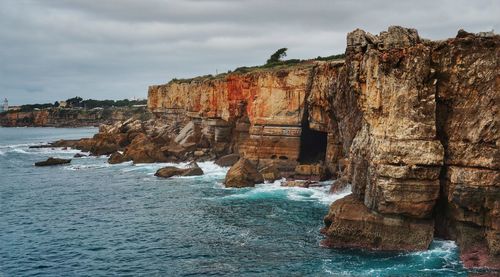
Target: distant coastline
[(73, 118), (74, 113)]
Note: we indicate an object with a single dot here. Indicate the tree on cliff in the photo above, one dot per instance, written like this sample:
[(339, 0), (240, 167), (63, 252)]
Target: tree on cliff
[(277, 56)]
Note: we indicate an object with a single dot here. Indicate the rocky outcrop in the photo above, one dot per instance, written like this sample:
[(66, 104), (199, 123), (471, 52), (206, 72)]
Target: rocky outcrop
[(243, 174), (169, 171), (53, 161), (351, 224), (257, 114), (468, 125), (227, 160), (419, 121), (60, 117)]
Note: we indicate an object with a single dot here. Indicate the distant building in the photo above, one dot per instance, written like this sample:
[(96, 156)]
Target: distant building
[(5, 106)]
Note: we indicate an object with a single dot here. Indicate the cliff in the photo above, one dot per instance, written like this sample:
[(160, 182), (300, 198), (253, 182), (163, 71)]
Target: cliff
[(261, 112), (59, 117), (411, 124), (424, 159)]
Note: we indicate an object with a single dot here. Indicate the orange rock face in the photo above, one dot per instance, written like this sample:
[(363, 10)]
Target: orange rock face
[(272, 101)]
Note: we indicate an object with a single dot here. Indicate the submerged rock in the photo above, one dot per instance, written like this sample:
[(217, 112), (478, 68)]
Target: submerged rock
[(53, 161), (169, 171), (243, 174)]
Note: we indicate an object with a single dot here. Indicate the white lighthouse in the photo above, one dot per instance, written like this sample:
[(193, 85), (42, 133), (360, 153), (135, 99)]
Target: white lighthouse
[(5, 106)]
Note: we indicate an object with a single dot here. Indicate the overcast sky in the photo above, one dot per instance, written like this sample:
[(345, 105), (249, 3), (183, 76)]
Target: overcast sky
[(53, 50)]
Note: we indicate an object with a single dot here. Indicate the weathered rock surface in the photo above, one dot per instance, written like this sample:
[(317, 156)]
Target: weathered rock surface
[(227, 160), (169, 171), (298, 183), (270, 173), (314, 172), (58, 117), (419, 121), (468, 123), (350, 223), (53, 161), (243, 174)]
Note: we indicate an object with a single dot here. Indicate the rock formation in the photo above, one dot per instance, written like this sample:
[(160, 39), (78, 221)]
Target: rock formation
[(53, 161), (193, 169), (419, 121), (411, 124), (243, 174)]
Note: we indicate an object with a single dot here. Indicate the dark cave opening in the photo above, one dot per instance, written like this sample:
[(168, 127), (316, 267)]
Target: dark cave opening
[(312, 143)]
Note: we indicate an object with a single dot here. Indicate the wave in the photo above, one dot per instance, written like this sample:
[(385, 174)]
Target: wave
[(86, 166), (275, 191), (209, 168), (19, 150), (441, 259), (22, 145)]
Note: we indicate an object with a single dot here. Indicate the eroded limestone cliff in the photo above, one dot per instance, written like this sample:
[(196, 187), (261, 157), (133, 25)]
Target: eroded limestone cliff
[(261, 113), (424, 160)]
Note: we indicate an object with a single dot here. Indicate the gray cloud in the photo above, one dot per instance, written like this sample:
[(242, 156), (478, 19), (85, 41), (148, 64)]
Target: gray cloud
[(56, 49)]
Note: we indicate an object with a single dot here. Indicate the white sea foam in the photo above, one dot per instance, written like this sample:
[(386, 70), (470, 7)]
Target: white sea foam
[(210, 169), (275, 190), (87, 166), (23, 145), (446, 249), (19, 150)]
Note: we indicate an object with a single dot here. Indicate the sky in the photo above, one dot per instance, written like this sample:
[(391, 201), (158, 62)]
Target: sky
[(114, 49)]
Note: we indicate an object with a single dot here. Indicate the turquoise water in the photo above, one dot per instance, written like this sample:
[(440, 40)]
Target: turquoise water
[(90, 218)]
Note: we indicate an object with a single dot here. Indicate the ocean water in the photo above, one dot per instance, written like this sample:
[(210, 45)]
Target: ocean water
[(90, 218)]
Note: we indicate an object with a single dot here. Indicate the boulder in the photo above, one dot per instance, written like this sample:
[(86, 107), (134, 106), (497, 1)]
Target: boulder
[(53, 161), (297, 183), (243, 174), (228, 160), (117, 158), (79, 155), (199, 153), (175, 150), (350, 224), (189, 146), (169, 171), (339, 185), (270, 173), (189, 134), (193, 169), (144, 150), (316, 172)]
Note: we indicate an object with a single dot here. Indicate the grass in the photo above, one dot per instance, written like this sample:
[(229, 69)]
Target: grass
[(270, 66)]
